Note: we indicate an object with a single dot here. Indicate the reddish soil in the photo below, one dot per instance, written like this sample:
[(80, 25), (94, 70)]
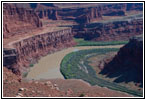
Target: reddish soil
[(13, 86)]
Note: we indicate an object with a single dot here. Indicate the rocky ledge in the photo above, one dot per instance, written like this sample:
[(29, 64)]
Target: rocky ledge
[(117, 29), (18, 20), (127, 65), (28, 50)]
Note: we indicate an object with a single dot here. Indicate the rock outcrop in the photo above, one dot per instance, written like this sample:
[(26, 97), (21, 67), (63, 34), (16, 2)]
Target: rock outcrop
[(120, 28), (134, 6), (81, 14), (16, 20), (47, 11), (114, 9), (29, 50), (48, 14), (24, 49), (127, 65), (119, 9), (10, 60), (85, 15), (112, 30), (9, 56), (90, 15)]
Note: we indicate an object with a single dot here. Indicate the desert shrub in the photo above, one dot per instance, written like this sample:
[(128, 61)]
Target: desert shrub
[(25, 74), (81, 95), (31, 65)]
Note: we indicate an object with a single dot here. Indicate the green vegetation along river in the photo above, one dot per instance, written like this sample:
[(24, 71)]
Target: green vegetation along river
[(82, 42), (75, 66), (48, 67)]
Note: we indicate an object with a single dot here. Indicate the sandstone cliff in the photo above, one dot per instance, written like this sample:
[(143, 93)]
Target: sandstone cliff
[(127, 65), (119, 9), (16, 20), (25, 49), (81, 15), (111, 30), (114, 9), (48, 14), (90, 15), (29, 50), (84, 13), (47, 11)]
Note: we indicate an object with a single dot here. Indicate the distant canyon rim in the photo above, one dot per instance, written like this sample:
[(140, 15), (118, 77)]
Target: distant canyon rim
[(37, 36)]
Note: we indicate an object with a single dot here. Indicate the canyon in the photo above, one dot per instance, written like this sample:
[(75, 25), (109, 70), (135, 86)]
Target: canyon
[(39, 46), (79, 11), (117, 29), (124, 67), (33, 31), (127, 62), (18, 20), (51, 69)]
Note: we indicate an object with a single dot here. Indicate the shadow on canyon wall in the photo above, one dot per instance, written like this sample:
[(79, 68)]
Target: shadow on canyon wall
[(127, 65)]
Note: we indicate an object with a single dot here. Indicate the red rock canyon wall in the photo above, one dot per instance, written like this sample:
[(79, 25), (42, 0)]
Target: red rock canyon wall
[(29, 50), (17, 20)]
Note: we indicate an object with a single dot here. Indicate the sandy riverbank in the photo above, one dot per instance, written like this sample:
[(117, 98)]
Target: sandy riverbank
[(48, 67)]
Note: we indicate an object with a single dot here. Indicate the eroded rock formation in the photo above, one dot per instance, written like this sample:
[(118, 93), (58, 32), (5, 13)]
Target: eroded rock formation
[(127, 65), (29, 50), (90, 15), (81, 14), (112, 30), (16, 20), (47, 11), (10, 59), (48, 14)]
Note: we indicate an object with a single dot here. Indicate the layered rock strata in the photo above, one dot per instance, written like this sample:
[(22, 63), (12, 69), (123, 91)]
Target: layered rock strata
[(48, 14), (81, 14), (17, 20), (9, 56), (47, 11), (112, 30), (29, 50), (127, 65), (90, 15), (87, 14)]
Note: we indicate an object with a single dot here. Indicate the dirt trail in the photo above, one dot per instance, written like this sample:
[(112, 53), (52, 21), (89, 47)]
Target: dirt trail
[(48, 67)]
